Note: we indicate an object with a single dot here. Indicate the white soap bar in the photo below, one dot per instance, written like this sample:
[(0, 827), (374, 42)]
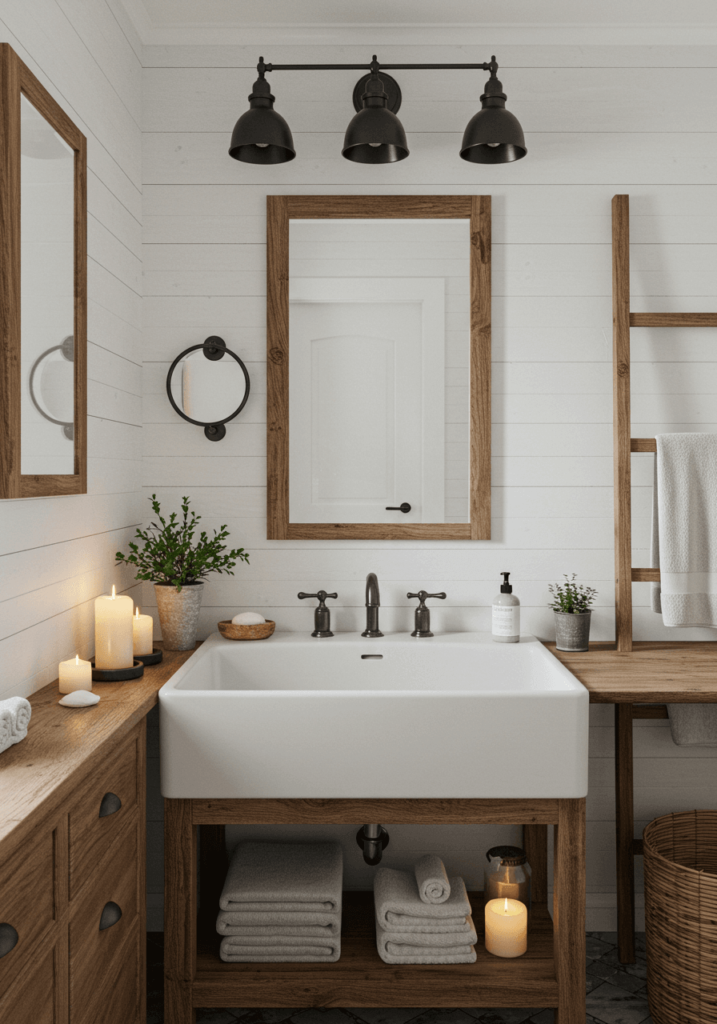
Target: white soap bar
[(248, 619), (79, 699)]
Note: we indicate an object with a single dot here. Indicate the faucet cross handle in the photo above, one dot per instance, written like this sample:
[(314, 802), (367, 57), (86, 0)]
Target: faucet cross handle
[(423, 614), (322, 615)]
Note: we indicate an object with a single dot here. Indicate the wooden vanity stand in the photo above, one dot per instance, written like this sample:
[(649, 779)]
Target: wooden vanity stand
[(550, 974)]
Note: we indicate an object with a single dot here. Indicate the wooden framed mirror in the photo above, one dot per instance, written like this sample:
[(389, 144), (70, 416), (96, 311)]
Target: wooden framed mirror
[(43, 290), (378, 367)]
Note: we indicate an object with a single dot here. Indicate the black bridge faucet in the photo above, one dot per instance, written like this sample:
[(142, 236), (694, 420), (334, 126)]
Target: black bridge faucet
[(373, 603)]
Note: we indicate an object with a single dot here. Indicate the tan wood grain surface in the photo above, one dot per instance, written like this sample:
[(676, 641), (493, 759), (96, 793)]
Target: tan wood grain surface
[(40, 772), (643, 444), (403, 812), (621, 417), (361, 978), (569, 912), (645, 575), (280, 210), (624, 829), (480, 367), (9, 274), (16, 78), (673, 319), (655, 671)]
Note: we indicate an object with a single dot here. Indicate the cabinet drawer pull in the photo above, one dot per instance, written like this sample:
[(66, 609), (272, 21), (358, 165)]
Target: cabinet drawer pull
[(8, 938), (110, 915), (111, 803)]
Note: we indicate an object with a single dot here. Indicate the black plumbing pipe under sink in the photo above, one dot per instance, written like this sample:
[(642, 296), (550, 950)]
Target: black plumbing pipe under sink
[(373, 840)]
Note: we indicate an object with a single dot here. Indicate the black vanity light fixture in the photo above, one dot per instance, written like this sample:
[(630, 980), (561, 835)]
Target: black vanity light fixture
[(375, 135)]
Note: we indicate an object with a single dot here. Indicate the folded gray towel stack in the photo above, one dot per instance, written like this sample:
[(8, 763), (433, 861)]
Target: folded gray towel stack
[(281, 903), (410, 931)]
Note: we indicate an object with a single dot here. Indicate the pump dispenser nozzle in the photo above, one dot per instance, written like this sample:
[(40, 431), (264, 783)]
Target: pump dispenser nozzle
[(505, 587)]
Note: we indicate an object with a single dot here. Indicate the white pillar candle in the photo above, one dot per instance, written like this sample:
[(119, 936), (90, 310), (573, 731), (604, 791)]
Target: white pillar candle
[(506, 927), (113, 631), (75, 674), (142, 633)]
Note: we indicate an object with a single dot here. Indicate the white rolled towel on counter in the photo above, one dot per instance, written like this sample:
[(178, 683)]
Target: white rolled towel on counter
[(15, 715)]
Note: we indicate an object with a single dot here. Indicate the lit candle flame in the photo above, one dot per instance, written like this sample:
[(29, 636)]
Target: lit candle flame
[(136, 612), (113, 592), (77, 659), (506, 905)]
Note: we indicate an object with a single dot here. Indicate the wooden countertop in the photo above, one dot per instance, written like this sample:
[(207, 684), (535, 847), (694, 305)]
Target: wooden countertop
[(38, 773), (655, 672)]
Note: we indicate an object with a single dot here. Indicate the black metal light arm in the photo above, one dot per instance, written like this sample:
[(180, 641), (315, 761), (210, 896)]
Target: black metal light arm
[(492, 66)]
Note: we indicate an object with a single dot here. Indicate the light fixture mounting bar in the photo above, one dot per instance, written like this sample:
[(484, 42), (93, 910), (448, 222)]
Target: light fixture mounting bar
[(262, 67)]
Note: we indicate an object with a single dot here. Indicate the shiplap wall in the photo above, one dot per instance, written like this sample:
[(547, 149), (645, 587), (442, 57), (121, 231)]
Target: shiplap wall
[(57, 554), (599, 120)]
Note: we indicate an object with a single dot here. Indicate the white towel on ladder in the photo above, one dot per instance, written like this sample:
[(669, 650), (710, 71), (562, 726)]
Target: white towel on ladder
[(684, 529)]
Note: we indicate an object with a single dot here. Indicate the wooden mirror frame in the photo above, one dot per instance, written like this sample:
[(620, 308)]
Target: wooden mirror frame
[(15, 79), (282, 209)]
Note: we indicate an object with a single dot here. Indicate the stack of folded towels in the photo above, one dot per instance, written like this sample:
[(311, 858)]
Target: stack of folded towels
[(281, 903), (424, 917), (14, 720)]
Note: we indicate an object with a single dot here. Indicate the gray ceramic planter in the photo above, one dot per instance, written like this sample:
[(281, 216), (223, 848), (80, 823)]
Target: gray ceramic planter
[(572, 630), (179, 614)]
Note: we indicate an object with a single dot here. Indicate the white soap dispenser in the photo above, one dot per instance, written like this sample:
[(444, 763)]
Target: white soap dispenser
[(506, 614)]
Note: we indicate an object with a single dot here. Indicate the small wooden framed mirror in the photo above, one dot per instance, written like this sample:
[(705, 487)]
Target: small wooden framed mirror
[(378, 367), (43, 290)]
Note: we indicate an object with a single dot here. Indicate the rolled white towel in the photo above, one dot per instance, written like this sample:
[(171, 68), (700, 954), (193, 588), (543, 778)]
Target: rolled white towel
[(15, 715), (433, 884), (7, 722)]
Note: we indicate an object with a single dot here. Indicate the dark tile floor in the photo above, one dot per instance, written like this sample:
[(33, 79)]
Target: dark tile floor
[(615, 995)]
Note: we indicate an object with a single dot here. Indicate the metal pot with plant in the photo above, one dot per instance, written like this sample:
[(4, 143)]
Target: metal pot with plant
[(178, 564), (571, 604)]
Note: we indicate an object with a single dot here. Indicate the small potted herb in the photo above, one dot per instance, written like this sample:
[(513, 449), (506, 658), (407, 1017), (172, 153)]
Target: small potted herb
[(571, 604), (177, 565)]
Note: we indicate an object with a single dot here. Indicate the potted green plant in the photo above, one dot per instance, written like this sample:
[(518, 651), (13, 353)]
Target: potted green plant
[(571, 604), (178, 565)]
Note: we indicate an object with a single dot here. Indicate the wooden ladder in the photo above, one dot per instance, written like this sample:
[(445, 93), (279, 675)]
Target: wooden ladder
[(624, 444), (625, 575)]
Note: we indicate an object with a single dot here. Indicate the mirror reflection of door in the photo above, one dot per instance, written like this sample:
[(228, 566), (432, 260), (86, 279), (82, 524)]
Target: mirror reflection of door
[(47, 213), (378, 371), (367, 411), (47, 288)]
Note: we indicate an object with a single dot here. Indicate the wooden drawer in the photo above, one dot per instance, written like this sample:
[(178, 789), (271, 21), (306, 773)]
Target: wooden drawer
[(95, 953), (34, 1000), (27, 900), (115, 996), (91, 836)]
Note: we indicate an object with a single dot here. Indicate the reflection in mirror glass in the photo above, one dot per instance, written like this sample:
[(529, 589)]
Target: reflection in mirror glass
[(47, 296), (379, 336), (206, 390)]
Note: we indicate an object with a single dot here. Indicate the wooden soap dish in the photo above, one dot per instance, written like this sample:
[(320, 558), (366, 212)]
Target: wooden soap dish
[(260, 631)]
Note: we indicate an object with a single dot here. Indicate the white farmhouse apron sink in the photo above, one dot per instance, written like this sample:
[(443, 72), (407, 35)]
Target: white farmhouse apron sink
[(451, 716)]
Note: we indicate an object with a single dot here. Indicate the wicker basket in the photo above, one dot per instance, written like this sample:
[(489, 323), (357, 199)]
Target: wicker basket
[(259, 631), (681, 917)]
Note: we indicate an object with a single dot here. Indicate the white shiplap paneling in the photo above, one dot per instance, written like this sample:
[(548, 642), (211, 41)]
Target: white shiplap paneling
[(57, 554), (599, 120)]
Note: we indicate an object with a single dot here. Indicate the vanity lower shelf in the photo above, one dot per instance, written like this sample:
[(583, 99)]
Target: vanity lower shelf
[(361, 978)]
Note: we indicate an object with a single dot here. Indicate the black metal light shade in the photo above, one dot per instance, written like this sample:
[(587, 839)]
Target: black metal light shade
[(493, 135), (261, 136), (375, 135)]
